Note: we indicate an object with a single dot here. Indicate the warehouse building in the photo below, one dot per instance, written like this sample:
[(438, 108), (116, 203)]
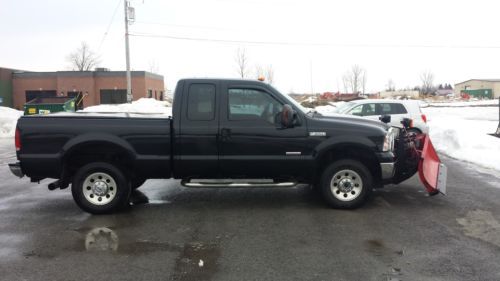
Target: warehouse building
[(96, 87), (480, 88)]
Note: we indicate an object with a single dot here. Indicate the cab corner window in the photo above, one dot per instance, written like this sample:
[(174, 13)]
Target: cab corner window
[(201, 102)]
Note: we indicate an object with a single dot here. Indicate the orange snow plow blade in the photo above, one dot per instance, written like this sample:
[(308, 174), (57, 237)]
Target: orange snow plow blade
[(431, 171)]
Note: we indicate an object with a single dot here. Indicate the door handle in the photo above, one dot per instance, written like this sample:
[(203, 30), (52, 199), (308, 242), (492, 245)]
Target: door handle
[(225, 134)]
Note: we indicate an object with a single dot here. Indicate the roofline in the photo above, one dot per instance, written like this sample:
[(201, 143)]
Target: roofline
[(54, 74), (484, 80)]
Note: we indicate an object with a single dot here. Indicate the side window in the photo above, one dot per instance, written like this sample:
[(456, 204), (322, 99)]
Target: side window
[(398, 108), (385, 108), (251, 104), (356, 110), (392, 108), (368, 109), (201, 102)]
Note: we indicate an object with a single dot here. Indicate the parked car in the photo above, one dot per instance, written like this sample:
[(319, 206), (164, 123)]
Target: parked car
[(223, 133), (397, 109)]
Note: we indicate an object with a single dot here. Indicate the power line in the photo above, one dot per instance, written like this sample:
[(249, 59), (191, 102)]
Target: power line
[(109, 26), (188, 26), (312, 44)]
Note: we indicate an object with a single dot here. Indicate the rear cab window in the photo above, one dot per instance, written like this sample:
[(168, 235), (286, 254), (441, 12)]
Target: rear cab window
[(201, 102)]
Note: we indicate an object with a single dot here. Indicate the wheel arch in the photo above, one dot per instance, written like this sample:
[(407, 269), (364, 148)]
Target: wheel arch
[(363, 151), (95, 147)]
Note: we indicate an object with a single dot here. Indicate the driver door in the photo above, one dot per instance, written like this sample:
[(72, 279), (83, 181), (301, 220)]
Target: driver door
[(252, 143)]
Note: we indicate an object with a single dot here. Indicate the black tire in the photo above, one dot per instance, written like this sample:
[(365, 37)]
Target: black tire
[(136, 183), (351, 186), (89, 193)]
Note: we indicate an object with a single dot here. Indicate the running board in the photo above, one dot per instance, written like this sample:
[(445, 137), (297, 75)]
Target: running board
[(236, 183)]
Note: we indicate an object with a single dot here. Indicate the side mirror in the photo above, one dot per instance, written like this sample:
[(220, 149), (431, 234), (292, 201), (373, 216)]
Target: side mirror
[(385, 118), (407, 123), (287, 116)]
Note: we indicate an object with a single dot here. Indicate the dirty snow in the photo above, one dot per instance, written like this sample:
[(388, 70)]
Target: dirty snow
[(8, 120), (143, 105)]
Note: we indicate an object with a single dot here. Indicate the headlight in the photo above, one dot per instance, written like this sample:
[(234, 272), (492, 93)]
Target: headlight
[(389, 140)]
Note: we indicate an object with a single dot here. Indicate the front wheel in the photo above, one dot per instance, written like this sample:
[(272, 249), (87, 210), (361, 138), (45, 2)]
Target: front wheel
[(100, 188), (346, 184)]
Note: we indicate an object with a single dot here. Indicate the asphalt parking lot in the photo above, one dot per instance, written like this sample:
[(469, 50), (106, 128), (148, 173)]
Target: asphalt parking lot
[(176, 233)]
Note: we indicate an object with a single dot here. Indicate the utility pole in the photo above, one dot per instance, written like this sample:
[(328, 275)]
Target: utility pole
[(127, 54), (311, 75)]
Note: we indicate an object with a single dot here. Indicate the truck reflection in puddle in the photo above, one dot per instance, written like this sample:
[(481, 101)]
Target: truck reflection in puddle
[(101, 239)]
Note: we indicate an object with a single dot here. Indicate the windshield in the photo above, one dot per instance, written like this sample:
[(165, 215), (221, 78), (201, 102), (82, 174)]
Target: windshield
[(342, 108)]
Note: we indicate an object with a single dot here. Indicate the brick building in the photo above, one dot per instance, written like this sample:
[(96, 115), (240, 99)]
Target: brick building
[(98, 87)]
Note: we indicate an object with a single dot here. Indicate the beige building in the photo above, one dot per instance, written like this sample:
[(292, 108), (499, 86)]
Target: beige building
[(486, 87), (398, 94)]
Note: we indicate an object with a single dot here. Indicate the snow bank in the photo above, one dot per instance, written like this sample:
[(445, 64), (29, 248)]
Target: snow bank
[(464, 103), (8, 120), (143, 105), (462, 133)]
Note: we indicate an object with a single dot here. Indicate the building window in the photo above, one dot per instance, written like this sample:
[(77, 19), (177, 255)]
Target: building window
[(150, 93)]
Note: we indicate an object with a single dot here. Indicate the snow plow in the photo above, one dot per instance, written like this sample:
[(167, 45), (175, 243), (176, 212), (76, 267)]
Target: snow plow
[(417, 154)]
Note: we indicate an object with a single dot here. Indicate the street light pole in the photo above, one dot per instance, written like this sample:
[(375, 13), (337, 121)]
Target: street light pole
[(127, 54)]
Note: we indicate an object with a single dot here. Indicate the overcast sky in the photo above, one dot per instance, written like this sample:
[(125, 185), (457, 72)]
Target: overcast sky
[(398, 40)]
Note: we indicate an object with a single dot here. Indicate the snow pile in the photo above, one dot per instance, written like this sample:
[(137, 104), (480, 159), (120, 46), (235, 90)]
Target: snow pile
[(8, 120), (462, 133), (143, 105)]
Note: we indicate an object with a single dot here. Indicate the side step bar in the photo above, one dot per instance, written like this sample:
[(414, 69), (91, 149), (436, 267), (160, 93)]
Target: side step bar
[(236, 183)]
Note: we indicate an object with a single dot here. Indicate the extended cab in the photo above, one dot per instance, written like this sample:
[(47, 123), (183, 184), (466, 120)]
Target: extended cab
[(222, 132)]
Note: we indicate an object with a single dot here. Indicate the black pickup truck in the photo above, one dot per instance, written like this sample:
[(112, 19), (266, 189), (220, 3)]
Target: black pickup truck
[(222, 133)]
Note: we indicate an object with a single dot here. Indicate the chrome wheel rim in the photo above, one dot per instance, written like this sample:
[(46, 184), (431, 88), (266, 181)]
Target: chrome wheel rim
[(99, 188), (346, 185)]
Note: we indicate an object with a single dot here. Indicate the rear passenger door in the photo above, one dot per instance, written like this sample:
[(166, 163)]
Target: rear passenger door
[(196, 145)]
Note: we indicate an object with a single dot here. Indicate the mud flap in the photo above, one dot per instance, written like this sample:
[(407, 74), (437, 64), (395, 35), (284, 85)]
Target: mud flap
[(431, 171)]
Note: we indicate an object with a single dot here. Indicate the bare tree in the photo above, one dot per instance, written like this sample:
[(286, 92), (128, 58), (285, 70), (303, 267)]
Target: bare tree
[(83, 59), (153, 66), (241, 62), (390, 87), (259, 71), (427, 79), (355, 79), (269, 74)]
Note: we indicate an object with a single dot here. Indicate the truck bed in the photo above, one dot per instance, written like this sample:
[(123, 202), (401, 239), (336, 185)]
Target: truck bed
[(143, 138)]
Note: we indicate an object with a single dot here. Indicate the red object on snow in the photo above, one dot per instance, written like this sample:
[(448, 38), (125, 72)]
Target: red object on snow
[(431, 171)]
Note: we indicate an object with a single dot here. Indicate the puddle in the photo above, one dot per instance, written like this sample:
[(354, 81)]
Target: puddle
[(101, 239)]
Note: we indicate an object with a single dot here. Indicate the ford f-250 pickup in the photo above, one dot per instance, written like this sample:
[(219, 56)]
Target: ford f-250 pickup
[(222, 132)]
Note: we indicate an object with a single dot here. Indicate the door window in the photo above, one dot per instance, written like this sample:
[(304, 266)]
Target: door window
[(363, 110), (391, 108), (251, 104)]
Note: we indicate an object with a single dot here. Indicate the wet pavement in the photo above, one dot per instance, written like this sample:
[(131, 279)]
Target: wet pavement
[(176, 233)]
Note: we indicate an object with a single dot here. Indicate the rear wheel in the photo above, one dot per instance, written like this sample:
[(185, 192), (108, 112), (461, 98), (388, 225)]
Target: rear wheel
[(100, 188), (346, 184)]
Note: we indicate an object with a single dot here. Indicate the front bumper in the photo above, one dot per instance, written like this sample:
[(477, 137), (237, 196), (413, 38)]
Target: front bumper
[(15, 168)]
